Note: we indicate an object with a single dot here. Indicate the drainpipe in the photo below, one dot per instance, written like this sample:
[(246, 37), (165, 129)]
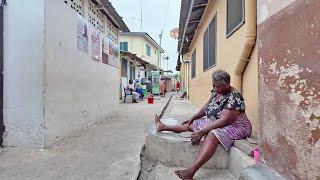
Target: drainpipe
[(250, 39)]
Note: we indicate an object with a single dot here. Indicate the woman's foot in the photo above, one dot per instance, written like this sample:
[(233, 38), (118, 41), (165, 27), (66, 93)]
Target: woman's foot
[(184, 174), (159, 125)]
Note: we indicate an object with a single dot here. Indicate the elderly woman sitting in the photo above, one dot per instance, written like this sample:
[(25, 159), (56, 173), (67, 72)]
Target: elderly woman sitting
[(220, 121)]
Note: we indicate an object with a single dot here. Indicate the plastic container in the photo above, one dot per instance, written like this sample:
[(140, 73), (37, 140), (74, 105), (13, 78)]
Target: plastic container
[(150, 100), (256, 155)]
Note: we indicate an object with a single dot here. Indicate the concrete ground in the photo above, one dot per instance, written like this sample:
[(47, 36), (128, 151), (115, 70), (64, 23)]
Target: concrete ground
[(163, 172), (108, 150)]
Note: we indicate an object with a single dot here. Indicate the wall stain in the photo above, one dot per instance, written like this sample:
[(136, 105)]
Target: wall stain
[(289, 85)]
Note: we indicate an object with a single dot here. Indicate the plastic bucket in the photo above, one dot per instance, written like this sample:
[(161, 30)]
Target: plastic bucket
[(150, 100)]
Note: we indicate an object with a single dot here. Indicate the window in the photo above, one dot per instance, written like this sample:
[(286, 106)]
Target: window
[(123, 46), (148, 50), (235, 15), (209, 45), (193, 64)]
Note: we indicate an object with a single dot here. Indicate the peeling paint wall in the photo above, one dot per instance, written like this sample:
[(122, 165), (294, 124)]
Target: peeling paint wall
[(289, 87)]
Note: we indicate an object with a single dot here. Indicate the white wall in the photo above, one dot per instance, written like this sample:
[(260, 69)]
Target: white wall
[(79, 90), (23, 73)]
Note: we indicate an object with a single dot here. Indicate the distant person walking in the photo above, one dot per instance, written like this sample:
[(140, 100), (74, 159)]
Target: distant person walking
[(178, 86)]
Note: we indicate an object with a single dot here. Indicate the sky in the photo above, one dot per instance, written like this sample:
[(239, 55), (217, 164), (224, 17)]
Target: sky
[(157, 15)]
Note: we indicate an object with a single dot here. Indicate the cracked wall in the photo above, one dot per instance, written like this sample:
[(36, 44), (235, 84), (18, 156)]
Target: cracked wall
[(289, 104)]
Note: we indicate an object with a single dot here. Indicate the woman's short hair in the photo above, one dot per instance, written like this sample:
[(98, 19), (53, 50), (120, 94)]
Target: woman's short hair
[(221, 76)]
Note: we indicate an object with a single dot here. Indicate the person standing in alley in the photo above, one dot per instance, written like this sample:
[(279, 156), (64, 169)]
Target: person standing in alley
[(178, 86), (162, 87)]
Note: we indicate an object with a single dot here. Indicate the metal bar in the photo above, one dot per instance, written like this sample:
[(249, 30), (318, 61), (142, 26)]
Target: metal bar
[(2, 127)]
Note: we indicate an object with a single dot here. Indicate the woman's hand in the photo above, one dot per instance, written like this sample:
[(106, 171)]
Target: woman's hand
[(189, 122), (196, 137)]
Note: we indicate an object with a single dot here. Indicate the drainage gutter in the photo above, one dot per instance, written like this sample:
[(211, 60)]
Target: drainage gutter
[(250, 40)]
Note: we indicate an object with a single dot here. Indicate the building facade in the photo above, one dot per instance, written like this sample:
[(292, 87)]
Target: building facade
[(271, 50), (61, 69), (141, 44), (218, 38)]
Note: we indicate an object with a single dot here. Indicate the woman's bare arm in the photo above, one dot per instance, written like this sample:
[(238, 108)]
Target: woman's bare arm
[(226, 117), (198, 115)]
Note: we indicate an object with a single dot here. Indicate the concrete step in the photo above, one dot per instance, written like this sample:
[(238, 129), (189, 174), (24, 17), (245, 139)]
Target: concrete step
[(167, 173), (173, 150)]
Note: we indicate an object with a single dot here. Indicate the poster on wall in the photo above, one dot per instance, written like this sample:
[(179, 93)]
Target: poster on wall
[(95, 45), (82, 34), (105, 50), (113, 54)]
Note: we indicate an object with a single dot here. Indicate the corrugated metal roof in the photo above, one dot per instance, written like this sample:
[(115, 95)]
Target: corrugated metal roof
[(191, 26), (195, 17)]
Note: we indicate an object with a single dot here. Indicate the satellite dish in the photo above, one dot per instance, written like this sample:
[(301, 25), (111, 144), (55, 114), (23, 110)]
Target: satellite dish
[(174, 33)]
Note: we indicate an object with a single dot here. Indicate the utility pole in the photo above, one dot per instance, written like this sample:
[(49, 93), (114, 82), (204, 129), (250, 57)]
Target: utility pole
[(141, 15), (159, 51), (2, 127), (167, 58)]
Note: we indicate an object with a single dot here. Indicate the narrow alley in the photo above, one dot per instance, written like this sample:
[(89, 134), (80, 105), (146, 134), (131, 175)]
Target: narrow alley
[(109, 150), (235, 84)]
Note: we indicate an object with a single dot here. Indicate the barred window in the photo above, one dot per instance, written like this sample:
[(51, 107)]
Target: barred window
[(235, 15), (193, 64), (209, 45)]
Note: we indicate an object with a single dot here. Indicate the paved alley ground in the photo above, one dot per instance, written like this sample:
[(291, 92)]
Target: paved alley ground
[(108, 150)]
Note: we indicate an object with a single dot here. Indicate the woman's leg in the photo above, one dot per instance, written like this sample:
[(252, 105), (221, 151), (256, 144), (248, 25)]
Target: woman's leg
[(206, 151), (176, 128)]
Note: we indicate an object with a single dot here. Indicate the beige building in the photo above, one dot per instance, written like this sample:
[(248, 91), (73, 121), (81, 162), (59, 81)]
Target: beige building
[(55, 81), (219, 35), (276, 73), (141, 44)]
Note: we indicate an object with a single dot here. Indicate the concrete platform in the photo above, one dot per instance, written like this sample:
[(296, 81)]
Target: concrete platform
[(173, 150), (168, 149), (167, 173)]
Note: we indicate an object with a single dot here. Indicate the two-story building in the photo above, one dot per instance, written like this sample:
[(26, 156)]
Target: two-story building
[(141, 44), (139, 55)]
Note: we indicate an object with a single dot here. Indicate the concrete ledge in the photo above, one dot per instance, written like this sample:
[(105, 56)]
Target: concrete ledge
[(238, 160), (247, 145), (259, 172), (172, 150)]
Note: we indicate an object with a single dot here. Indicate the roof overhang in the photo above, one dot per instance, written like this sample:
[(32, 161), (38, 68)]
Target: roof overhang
[(141, 61), (191, 12)]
